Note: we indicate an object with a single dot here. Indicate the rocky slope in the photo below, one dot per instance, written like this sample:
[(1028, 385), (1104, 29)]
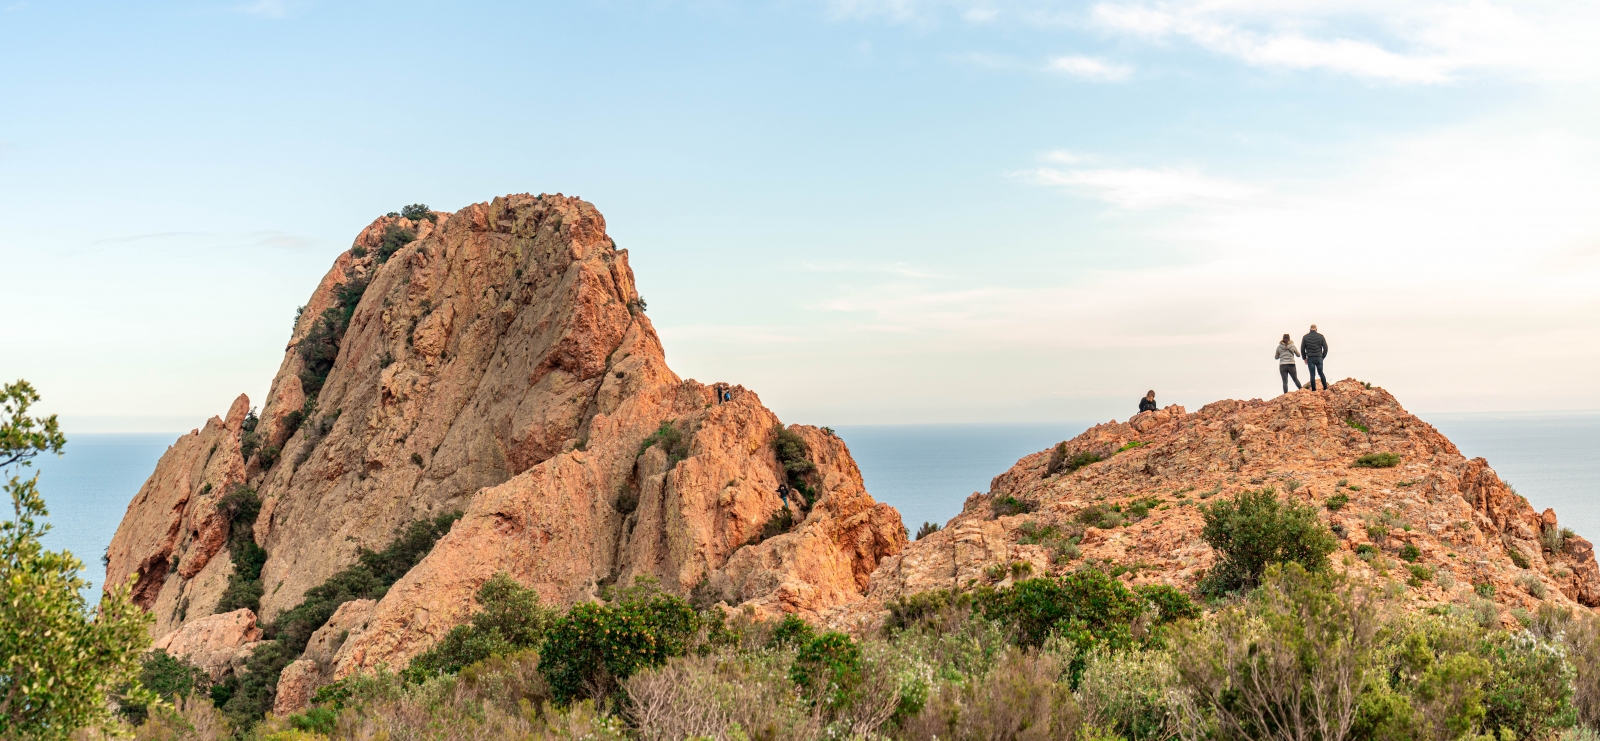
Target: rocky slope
[(1138, 508), (497, 362)]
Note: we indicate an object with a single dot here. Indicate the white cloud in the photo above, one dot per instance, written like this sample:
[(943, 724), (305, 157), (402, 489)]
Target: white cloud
[(1142, 188), (1432, 41), (1089, 68), (980, 15)]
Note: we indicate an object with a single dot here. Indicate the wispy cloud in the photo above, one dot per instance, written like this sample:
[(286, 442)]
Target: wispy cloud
[(152, 236), (892, 268), (1089, 68), (1141, 188)]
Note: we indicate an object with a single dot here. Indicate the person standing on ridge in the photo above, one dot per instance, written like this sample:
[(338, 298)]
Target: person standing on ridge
[(1285, 353), (1314, 347), (1148, 403)]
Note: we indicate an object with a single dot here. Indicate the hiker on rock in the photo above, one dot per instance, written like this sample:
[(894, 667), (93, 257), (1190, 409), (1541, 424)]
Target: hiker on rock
[(1148, 403), (1285, 353), (783, 493), (1314, 347)]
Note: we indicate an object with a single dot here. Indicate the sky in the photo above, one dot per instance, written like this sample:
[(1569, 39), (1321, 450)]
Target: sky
[(868, 211)]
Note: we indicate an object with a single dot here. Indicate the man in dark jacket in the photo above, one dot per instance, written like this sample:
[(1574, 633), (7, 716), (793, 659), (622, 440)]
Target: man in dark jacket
[(1314, 347)]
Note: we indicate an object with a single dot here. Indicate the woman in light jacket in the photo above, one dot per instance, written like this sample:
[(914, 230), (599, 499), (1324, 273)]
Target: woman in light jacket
[(1285, 353)]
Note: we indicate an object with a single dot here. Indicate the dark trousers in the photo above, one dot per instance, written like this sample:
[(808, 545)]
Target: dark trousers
[(1313, 368), (1287, 372)]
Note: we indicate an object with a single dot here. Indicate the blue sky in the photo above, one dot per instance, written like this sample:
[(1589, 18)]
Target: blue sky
[(869, 212)]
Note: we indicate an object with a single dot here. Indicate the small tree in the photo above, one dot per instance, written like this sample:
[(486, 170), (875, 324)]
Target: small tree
[(1254, 530), (59, 660)]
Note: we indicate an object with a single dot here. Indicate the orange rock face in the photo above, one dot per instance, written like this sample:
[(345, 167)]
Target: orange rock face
[(500, 365), (172, 535), (1463, 520)]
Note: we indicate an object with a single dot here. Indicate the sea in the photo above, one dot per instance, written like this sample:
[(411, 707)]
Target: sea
[(925, 471)]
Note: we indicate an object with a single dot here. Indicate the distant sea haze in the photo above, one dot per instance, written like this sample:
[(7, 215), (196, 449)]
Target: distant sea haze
[(925, 471)]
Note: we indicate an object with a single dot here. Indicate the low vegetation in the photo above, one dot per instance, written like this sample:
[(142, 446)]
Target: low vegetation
[(1061, 462), (1256, 529), (794, 457), (1377, 460), (242, 505)]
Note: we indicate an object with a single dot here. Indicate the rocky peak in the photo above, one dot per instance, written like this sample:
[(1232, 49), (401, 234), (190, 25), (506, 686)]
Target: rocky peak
[(1128, 494), (496, 361)]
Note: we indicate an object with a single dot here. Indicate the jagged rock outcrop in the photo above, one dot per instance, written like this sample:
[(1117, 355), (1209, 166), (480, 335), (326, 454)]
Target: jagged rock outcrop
[(214, 643), (499, 363), (1462, 519), (173, 534)]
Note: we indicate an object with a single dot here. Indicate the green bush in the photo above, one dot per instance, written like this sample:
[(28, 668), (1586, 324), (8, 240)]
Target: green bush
[(1377, 460), (672, 441), (368, 578), (827, 670), (1254, 530), (242, 505), (512, 620), (595, 646), (169, 678), (418, 212), (394, 237), (1484, 590), (1353, 423), (1410, 552), (1100, 516), (1517, 557), (1336, 502), (928, 528), (1529, 691), (780, 522), (320, 347), (790, 631), (1009, 505), (1061, 462), (937, 609), (1171, 605), (795, 460)]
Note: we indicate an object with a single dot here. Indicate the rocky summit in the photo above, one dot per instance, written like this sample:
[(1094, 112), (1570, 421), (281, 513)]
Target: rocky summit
[(497, 363), (1405, 504)]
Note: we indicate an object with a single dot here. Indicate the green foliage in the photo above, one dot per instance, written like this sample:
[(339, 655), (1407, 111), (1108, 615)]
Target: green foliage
[(512, 620), (795, 460), (1171, 605), (1086, 609), (1532, 585), (1357, 425), (368, 578), (782, 521), (250, 439), (595, 646), (827, 670), (928, 528), (1529, 690), (1554, 539), (1286, 661), (791, 631), (394, 237), (242, 505), (1410, 552), (1100, 516), (59, 659), (320, 347), (418, 212), (936, 608), (1484, 590), (1517, 557), (1254, 530), (315, 720), (1009, 505), (672, 441), (1419, 575), (245, 697), (1377, 460), (167, 677), (1336, 502), (1062, 462)]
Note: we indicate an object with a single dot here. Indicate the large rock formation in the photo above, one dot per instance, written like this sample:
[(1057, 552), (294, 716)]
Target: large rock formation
[(498, 363), (1461, 518)]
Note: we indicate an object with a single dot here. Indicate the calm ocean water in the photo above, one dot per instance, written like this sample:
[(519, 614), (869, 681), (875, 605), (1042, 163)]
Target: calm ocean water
[(926, 471)]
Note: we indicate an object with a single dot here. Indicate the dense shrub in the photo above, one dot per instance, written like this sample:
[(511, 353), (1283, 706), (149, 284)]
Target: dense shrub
[(242, 505), (827, 669), (1137, 694), (1009, 505), (795, 460), (418, 212), (1377, 460), (512, 620), (672, 441), (928, 528), (368, 578), (595, 646), (1254, 530), (1529, 690), (320, 347), (169, 678), (1287, 663), (1021, 698), (939, 609), (394, 237), (780, 522), (1410, 552), (1061, 462)]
